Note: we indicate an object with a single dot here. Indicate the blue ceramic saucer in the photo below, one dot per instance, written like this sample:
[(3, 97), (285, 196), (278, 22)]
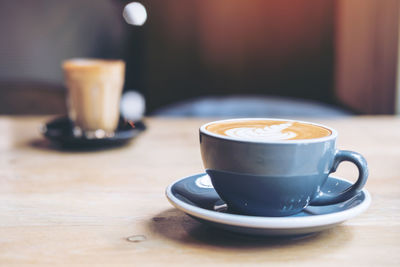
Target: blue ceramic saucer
[(196, 196)]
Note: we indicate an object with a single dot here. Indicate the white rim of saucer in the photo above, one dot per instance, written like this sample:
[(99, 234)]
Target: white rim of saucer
[(299, 141), (269, 222)]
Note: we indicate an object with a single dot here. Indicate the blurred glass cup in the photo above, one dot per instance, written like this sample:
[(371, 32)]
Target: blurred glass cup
[(94, 93)]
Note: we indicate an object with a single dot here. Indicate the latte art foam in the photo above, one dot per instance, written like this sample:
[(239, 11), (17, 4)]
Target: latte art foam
[(268, 130), (268, 133)]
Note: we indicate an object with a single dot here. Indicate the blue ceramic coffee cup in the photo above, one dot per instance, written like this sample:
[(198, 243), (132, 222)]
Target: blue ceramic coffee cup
[(276, 178)]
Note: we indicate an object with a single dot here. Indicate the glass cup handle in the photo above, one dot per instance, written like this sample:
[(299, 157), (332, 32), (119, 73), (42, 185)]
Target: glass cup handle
[(344, 155)]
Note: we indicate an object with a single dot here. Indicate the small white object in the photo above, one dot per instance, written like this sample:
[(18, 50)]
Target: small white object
[(135, 14), (132, 105), (204, 182)]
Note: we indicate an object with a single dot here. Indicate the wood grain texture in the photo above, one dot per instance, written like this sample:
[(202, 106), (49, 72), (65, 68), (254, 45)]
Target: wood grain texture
[(67, 208), (366, 48)]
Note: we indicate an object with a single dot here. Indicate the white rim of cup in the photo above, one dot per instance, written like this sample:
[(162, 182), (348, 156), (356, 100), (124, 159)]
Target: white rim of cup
[(333, 134)]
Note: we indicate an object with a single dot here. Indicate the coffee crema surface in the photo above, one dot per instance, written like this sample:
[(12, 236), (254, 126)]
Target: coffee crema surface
[(268, 130)]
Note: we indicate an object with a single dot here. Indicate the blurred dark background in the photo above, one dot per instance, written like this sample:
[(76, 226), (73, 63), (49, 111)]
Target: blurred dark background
[(204, 49)]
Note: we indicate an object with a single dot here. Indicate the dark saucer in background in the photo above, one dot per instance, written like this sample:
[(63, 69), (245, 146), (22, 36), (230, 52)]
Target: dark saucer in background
[(60, 131)]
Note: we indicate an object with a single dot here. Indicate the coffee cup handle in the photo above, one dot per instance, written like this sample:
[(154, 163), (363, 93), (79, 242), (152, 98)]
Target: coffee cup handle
[(324, 198)]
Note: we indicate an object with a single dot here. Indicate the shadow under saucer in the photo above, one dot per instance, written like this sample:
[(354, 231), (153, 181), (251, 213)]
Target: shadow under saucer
[(176, 226)]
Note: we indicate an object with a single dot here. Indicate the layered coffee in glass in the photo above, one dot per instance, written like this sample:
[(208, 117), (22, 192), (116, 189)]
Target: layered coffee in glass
[(94, 92)]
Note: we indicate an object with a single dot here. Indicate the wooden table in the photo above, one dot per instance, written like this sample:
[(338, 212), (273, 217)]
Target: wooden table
[(108, 207)]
